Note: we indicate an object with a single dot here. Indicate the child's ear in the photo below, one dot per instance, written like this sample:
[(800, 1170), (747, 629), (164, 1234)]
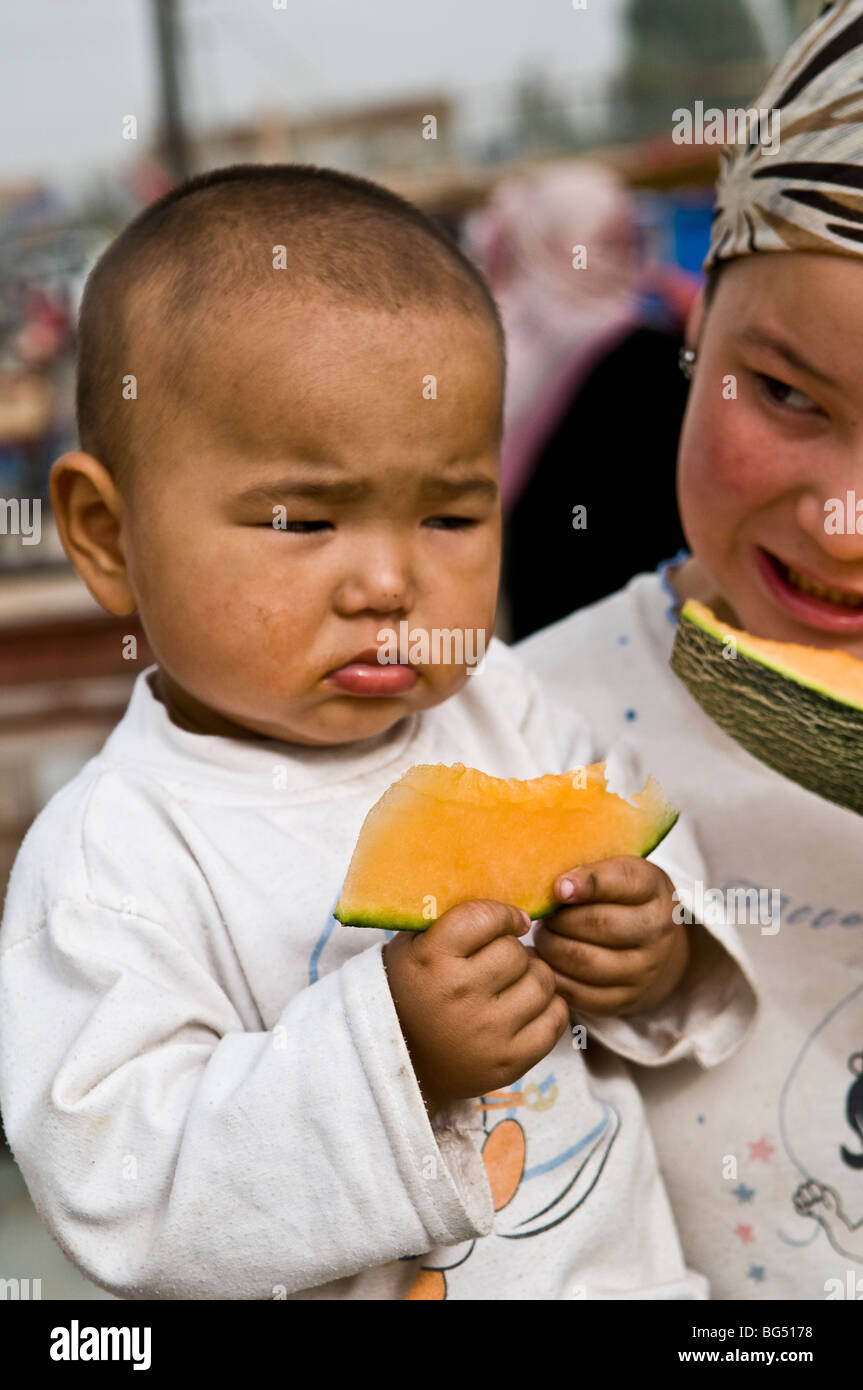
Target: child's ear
[(694, 320), (89, 509)]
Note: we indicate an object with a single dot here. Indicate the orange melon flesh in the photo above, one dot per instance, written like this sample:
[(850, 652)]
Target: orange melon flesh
[(444, 835), (835, 674)]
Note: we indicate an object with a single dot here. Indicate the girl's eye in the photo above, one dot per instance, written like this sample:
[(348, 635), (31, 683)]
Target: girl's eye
[(450, 523), (300, 527), (780, 393)]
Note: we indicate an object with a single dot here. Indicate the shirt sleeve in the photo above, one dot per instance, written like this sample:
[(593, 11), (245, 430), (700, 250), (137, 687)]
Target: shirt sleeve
[(713, 1008), (174, 1154)]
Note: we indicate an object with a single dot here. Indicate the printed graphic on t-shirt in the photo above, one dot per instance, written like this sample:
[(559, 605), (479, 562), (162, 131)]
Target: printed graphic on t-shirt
[(831, 1192), (529, 1197), (536, 1183), (828, 1158)]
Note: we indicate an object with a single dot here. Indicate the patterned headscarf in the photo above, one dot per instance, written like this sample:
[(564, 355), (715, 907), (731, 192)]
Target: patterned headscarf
[(808, 194)]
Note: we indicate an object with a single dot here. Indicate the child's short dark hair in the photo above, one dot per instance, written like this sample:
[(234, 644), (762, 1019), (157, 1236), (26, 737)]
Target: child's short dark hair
[(213, 239)]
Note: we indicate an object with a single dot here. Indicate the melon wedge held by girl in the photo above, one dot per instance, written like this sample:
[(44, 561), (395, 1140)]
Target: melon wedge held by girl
[(798, 709), (444, 835)]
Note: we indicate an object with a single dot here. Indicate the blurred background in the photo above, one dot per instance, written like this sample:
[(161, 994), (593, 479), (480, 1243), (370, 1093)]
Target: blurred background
[(527, 130)]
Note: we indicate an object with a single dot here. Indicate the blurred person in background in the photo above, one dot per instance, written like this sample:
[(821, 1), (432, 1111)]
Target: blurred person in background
[(37, 334), (585, 369)]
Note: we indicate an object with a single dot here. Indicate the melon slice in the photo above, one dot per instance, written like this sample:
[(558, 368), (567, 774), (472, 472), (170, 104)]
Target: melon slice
[(798, 709), (443, 835)]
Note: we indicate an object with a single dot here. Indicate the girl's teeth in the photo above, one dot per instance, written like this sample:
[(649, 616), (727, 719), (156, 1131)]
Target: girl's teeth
[(809, 586)]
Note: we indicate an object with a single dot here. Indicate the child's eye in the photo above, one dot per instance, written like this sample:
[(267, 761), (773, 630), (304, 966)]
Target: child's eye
[(780, 393), (450, 523), (301, 527)]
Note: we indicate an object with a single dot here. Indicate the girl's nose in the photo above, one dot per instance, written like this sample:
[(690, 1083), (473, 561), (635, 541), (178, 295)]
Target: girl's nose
[(834, 520)]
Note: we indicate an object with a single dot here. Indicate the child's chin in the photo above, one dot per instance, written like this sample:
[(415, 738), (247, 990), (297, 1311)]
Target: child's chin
[(369, 720)]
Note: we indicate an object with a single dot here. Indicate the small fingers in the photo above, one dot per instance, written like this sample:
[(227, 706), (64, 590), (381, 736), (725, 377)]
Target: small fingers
[(598, 999), (597, 965), (607, 924), (502, 962), (626, 879), (468, 927), (537, 1038), (529, 997)]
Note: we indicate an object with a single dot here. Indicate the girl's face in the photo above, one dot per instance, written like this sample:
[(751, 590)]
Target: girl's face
[(770, 476)]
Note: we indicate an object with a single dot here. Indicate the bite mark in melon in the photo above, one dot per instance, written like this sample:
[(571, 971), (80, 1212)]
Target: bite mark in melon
[(798, 709), (445, 835)]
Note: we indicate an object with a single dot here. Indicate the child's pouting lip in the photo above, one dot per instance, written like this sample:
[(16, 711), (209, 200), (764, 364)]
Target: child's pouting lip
[(811, 598), (363, 674)]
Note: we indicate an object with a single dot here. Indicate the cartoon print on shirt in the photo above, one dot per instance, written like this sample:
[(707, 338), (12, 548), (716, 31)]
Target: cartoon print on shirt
[(831, 1193), (823, 1203), (519, 1214), (854, 1109), (505, 1154)]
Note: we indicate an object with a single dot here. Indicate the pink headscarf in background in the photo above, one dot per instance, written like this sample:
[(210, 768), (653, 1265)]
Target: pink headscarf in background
[(559, 321)]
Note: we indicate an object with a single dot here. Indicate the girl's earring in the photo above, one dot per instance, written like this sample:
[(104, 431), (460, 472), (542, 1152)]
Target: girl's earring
[(686, 362)]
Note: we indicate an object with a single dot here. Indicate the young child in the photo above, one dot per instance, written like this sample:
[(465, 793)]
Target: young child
[(212, 1088), (764, 1161)]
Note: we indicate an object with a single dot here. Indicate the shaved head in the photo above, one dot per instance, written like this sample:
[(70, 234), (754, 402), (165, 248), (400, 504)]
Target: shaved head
[(237, 240)]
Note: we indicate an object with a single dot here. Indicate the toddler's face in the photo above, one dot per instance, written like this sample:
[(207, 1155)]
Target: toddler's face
[(371, 440), (760, 475)]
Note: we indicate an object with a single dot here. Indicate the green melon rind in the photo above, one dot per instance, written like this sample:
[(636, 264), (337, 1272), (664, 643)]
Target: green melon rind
[(722, 634), (794, 728), (388, 921)]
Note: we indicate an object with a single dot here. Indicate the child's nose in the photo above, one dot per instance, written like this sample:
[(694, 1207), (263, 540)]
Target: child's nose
[(380, 581), (833, 516)]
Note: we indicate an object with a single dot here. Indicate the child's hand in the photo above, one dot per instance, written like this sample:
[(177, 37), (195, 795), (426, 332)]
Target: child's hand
[(476, 1009), (614, 947)]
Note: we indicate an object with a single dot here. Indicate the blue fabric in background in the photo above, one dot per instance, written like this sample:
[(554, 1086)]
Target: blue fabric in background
[(691, 216)]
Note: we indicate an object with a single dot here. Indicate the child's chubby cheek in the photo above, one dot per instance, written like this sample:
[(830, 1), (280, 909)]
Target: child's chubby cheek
[(218, 627), (252, 652)]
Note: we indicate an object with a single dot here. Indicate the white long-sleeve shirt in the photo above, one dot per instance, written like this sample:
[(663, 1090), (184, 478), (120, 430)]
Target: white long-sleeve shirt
[(763, 1158), (202, 1074)]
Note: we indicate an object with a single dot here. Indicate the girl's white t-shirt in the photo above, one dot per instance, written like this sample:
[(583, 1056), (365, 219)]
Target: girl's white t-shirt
[(763, 1158)]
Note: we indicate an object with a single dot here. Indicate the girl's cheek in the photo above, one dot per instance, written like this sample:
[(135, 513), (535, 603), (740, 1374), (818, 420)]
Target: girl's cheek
[(730, 460), (717, 489)]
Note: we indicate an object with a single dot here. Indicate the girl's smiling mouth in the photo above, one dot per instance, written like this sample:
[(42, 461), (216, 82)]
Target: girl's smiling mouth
[(812, 601)]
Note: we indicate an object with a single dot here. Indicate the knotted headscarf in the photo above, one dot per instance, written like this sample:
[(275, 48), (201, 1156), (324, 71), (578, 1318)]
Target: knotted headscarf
[(808, 194)]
